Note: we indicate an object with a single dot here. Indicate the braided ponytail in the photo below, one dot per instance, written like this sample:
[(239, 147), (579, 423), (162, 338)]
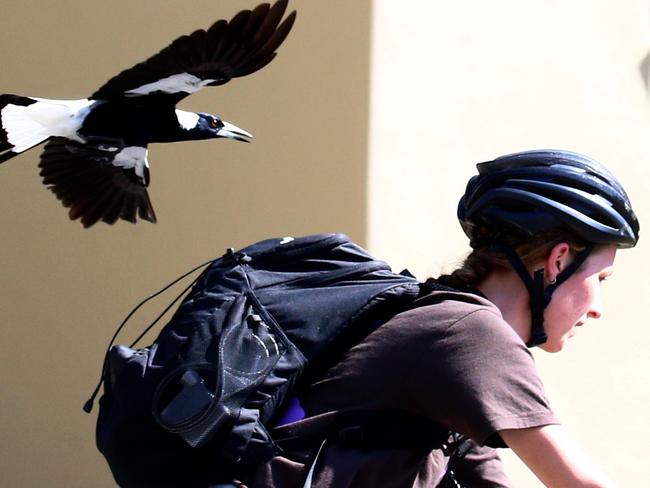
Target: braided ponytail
[(484, 260)]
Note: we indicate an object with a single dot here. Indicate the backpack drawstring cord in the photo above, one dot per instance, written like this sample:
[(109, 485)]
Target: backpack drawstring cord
[(88, 406)]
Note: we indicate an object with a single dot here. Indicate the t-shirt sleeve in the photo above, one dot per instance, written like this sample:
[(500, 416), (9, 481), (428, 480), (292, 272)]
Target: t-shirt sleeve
[(475, 376)]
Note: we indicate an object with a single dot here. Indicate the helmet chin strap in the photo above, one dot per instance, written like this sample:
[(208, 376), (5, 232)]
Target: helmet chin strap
[(540, 296)]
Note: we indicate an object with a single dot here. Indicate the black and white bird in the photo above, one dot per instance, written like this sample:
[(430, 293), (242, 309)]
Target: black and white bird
[(95, 159)]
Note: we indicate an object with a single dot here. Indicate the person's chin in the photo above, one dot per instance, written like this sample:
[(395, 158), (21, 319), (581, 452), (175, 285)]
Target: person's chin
[(553, 347)]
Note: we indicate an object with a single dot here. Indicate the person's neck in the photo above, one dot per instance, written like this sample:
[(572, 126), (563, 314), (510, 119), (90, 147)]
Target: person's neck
[(506, 290)]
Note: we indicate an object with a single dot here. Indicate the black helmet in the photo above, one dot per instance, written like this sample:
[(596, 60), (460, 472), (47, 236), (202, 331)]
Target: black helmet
[(529, 192)]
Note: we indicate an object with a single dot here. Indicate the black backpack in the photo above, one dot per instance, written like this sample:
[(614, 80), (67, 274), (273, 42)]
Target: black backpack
[(196, 404)]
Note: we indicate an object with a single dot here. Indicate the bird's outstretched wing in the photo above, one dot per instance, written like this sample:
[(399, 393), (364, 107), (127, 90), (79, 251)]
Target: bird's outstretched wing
[(101, 180), (207, 58)]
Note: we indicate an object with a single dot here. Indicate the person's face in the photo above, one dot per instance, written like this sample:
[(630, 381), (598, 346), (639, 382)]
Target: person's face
[(577, 299)]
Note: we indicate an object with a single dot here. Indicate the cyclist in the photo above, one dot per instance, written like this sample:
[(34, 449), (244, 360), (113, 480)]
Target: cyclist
[(544, 227)]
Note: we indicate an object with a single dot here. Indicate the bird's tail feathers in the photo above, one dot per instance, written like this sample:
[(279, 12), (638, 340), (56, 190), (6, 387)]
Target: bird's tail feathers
[(19, 131)]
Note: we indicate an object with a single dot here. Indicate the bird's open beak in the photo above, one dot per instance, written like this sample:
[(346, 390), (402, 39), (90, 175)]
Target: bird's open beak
[(233, 132)]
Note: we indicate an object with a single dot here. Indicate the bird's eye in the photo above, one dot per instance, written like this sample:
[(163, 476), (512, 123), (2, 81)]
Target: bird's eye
[(214, 123)]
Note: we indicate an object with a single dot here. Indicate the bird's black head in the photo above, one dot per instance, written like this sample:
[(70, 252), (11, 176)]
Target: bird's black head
[(207, 126), (213, 126)]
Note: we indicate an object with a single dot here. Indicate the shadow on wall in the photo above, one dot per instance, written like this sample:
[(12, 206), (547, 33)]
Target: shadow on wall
[(644, 69)]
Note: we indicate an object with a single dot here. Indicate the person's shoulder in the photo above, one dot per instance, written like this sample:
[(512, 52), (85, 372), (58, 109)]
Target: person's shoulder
[(450, 313), (453, 305)]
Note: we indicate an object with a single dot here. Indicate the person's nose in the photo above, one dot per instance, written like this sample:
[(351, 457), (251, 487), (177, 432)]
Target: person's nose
[(596, 308)]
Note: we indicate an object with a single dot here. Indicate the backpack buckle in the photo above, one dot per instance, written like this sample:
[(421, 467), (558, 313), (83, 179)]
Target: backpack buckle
[(238, 257)]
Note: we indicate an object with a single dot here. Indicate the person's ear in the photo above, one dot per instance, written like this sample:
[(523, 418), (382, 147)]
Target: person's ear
[(557, 261)]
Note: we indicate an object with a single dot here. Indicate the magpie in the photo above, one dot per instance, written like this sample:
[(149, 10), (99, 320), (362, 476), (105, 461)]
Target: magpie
[(95, 156)]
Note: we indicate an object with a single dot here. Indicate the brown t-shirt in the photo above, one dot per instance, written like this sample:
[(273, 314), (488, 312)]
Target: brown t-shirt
[(453, 360)]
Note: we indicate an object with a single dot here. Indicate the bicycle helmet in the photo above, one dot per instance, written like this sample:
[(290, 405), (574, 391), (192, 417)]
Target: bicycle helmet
[(526, 193), (529, 192)]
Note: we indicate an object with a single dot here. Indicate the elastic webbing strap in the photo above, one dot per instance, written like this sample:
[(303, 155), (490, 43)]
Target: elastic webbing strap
[(535, 287), (538, 302)]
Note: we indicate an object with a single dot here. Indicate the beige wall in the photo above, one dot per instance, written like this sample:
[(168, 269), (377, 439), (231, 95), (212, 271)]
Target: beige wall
[(452, 83), (455, 83), (64, 290)]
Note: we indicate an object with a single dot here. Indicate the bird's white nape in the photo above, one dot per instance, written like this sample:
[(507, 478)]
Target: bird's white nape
[(182, 82), (187, 120)]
